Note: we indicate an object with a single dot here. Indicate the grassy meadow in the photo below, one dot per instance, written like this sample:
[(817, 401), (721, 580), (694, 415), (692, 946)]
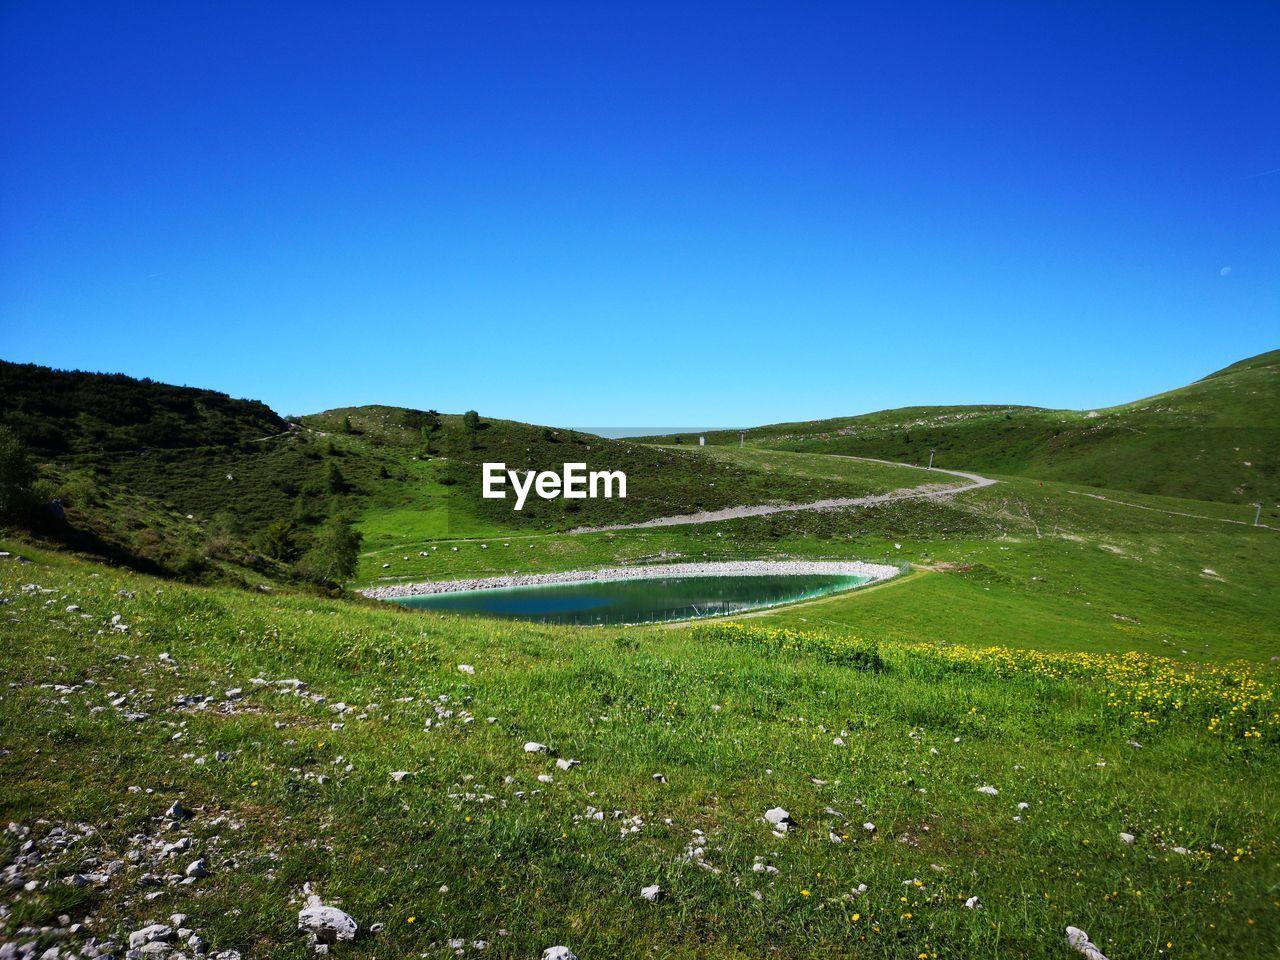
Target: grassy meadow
[(1066, 712), (876, 748)]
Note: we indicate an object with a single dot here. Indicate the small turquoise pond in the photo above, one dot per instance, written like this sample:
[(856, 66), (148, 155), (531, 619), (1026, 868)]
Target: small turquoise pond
[(634, 601)]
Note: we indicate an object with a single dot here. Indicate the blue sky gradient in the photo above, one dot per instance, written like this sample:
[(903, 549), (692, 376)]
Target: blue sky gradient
[(649, 215)]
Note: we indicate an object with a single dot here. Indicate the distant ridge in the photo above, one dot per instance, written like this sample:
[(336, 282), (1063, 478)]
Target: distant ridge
[(1215, 439)]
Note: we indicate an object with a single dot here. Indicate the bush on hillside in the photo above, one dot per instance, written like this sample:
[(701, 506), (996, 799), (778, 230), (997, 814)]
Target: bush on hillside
[(17, 477), (332, 556), (278, 540)]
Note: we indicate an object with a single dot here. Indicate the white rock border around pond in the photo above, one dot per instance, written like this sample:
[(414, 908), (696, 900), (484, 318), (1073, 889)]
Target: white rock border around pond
[(874, 572)]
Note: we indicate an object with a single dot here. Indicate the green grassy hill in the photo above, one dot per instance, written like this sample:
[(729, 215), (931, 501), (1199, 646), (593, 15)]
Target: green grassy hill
[(1216, 439), (186, 481), (1104, 660)]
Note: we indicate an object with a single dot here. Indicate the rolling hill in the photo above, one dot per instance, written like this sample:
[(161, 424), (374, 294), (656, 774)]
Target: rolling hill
[(179, 480), (1064, 712), (1215, 439)]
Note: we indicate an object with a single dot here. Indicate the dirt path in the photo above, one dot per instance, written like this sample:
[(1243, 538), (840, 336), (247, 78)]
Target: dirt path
[(930, 491), (1172, 513)]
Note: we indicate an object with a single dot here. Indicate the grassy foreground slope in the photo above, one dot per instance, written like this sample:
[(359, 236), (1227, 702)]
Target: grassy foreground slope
[(1216, 439), (159, 687)]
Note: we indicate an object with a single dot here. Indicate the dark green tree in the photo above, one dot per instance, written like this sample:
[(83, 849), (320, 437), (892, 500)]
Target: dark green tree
[(17, 475), (278, 540), (471, 423), (334, 481)]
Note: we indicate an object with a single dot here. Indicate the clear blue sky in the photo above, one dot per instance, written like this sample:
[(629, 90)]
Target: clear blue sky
[(645, 214)]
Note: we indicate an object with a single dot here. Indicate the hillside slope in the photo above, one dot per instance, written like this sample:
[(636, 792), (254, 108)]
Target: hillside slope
[(60, 412), (1215, 439), (434, 488), (177, 480), (315, 742)]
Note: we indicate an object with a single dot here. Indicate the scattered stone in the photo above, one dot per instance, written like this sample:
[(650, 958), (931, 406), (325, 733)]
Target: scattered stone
[(973, 903), (989, 791), (326, 925), (1079, 941), (660, 777), (556, 953), (399, 775), (1128, 838), (652, 893), (780, 820), (198, 868), (534, 747), (565, 764), (466, 668), (156, 932), (177, 812)]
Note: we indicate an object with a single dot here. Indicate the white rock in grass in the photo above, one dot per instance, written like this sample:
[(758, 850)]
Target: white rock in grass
[(564, 763), (780, 819), (198, 868), (1128, 838), (989, 791), (545, 778), (154, 933), (534, 747), (869, 827), (399, 775), (1079, 941), (651, 893), (177, 811), (838, 742), (328, 925), (557, 953), (973, 903), (1024, 806), (660, 777), (466, 668)]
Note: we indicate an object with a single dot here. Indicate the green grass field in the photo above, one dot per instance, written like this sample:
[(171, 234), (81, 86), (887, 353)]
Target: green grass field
[(471, 843), (1105, 658)]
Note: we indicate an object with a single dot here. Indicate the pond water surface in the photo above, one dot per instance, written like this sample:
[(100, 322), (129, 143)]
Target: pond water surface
[(635, 601)]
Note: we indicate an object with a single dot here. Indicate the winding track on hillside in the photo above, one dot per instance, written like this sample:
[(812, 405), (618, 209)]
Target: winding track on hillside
[(931, 491)]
